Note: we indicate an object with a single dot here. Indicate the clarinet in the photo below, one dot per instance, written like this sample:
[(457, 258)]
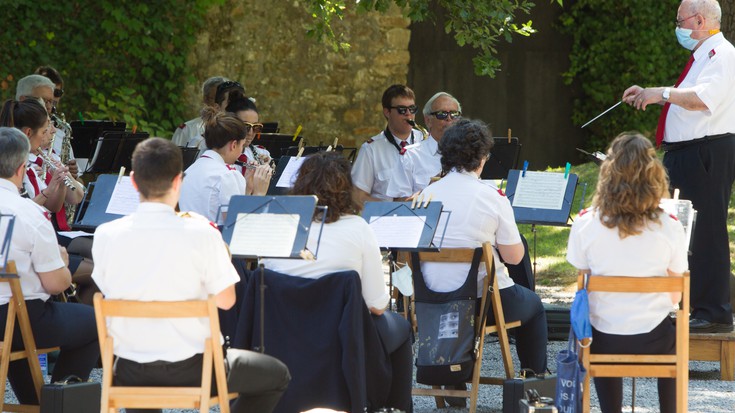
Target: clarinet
[(68, 181)]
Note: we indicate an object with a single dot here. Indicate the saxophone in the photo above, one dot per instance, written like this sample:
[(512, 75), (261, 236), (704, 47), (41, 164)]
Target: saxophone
[(65, 155), (421, 129)]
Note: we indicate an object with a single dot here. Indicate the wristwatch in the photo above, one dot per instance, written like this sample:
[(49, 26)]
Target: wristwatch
[(667, 94)]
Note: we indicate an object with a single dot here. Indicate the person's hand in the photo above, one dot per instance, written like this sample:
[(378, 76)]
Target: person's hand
[(73, 168), (631, 94), (639, 97), (57, 179), (261, 179), (64, 255)]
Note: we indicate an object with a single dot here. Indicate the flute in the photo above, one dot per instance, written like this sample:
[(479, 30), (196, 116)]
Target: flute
[(68, 181)]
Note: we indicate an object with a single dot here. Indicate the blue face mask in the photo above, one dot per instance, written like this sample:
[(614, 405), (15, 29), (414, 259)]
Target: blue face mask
[(684, 36)]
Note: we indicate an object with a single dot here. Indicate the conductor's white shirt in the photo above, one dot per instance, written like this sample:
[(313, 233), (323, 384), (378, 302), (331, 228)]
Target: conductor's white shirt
[(479, 213), (711, 76), (208, 184), (156, 255), (600, 249)]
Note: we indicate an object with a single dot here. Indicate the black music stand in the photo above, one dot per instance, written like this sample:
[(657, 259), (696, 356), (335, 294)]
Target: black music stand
[(430, 214), (115, 150), (597, 157), (347, 152), (503, 157), (541, 215), (87, 132), (92, 211), (270, 127), (274, 143), (189, 155), (286, 164)]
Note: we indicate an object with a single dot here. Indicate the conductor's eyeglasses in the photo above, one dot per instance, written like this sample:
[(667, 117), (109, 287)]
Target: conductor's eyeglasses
[(402, 110), (679, 22), (443, 114), (255, 127)]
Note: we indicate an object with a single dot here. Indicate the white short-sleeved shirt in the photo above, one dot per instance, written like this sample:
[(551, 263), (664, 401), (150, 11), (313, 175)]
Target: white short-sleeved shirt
[(373, 168), (156, 255), (347, 244), (415, 169), (711, 76), (210, 183), (188, 131), (33, 247), (598, 248), (479, 213)]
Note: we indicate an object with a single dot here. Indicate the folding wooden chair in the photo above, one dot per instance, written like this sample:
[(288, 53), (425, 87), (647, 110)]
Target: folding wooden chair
[(640, 365), (492, 293), (115, 397), (17, 310)]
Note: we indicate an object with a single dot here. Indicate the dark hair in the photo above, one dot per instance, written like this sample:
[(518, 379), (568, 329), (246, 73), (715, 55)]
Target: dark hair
[(238, 102), (29, 113), (225, 87), (156, 162), (50, 73), (327, 175), (464, 145), (221, 128), (394, 91)]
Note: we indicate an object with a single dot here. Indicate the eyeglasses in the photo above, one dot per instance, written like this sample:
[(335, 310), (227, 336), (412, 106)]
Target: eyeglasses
[(255, 127), (679, 22), (443, 114), (402, 110), (58, 93)]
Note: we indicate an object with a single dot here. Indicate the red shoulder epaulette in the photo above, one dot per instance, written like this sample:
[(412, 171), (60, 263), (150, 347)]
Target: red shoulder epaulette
[(213, 225), (260, 146), (582, 212), (500, 191), (370, 140), (673, 217), (182, 126), (711, 53)]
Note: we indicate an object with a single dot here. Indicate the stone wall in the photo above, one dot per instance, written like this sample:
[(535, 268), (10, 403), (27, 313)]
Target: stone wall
[(297, 81)]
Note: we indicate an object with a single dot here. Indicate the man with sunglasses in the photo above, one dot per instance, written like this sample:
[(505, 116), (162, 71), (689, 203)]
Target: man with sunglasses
[(697, 132), (374, 166), (422, 163)]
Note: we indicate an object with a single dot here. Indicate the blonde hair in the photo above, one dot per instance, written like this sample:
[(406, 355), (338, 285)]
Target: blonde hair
[(631, 184)]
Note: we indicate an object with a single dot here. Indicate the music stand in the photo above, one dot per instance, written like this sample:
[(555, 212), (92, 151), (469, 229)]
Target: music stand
[(115, 150), (87, 132), (597, 157), (348, 152), (503, 157), (92, 211), (392, 221), (287, 169), (274, 143), (189, 154), (7, 222), (549, 203), (270, 127)]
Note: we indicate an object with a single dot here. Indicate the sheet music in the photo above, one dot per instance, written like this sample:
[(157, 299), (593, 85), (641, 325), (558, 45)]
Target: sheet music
[(75, 234), (5, 237), (290, 172), (683, 211), (398, 231), (540, 190), (125, 199), (264, 235)]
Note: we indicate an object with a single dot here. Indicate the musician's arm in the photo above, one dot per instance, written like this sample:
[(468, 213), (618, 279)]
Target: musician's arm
[(225, 299), (675, 297), (361, 196), (511, 254), (58, 280), (52, 197)]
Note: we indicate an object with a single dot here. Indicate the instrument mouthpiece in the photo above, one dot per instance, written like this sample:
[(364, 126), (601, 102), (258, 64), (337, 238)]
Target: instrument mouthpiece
[(411, 122)]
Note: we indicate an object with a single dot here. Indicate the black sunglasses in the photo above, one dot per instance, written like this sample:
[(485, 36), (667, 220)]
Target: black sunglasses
[(403, 109), (443, 114), (58, 93), (230, 84)]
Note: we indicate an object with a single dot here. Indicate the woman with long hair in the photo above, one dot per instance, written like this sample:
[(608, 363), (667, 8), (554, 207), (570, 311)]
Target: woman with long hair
[(625, 232)]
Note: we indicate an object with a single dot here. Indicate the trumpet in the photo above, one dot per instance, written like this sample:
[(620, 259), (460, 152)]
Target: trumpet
[(421, 129), (69, 182)]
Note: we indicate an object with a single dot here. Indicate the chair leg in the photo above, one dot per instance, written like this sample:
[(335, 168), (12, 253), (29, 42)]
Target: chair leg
[(440, 402)]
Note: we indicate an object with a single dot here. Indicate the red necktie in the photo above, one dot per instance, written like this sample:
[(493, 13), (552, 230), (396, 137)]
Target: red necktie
[(403, 147), (34, 180), (665, 110), (60, 216), (244, 159)]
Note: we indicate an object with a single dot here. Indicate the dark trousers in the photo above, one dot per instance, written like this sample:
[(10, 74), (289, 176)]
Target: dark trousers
[(660, 340), (520, 303), (395, 333), (704, 173), (259, 379), (69, 326)]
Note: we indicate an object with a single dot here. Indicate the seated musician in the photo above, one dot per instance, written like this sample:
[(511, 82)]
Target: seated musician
[(625, 233), (170, 257), (348, 243), (480, 212), (195, 127), (212, 180), (244, 108), (221, 99), (42, 267)]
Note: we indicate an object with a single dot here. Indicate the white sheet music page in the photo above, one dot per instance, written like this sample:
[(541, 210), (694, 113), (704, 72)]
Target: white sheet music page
[(264, 235), (125, 198), (290, 172), (540, 190), (398, 231), (683, 211)]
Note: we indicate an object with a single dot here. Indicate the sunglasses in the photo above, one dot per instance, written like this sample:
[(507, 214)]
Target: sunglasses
[(58, 93), (442, 114), (230, 84), (255, 127), (402, 110)]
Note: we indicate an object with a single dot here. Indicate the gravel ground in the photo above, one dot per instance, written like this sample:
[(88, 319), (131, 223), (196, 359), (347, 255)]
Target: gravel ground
[(707, 394)]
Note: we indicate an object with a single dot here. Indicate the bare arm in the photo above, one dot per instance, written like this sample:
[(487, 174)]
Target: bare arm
[(511, 254), (225, 299), (639, 98), (58, 280), (361, 196), (675, 297)]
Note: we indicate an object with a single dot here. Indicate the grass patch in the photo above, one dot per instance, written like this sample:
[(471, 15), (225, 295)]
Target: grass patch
[(551, 242)]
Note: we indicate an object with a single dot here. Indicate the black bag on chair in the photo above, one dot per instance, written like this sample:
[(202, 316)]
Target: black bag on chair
[(446, 328), (71, 395)]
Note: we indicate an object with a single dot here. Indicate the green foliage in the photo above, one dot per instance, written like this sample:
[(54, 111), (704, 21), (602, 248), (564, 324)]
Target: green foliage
[(618, 43), (477, 23), (127, 50)]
